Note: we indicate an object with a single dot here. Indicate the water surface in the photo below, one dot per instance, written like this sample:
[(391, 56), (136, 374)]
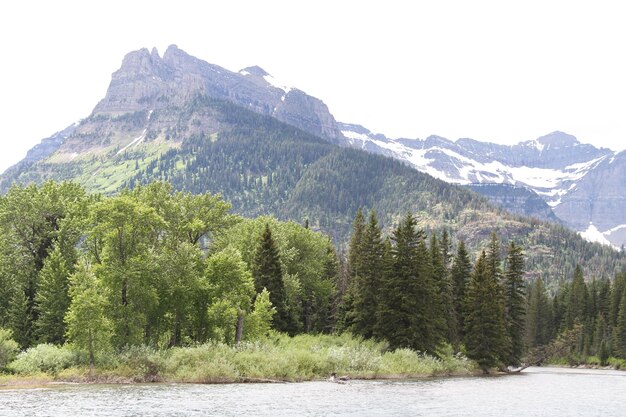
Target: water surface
[(535, 392)]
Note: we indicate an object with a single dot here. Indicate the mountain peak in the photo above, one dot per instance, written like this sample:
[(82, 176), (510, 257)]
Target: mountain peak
[(254, 70), (558, 139)]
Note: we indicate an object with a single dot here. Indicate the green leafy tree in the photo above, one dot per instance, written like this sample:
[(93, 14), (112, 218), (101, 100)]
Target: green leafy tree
[(231, 290), (485, 326), (259, 321), (87, 319)]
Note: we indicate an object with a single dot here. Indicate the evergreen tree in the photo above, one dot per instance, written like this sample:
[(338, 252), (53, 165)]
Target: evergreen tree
[(577, 300), (52, 300), (268, 274), (515, 302), (620, 328), (365, 285), (539, 318), (444, 311), (460, 275), (485, 326), (396, 316)]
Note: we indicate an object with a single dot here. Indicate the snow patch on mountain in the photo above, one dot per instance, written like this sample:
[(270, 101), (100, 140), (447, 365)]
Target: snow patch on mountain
[(444, 160), (592, 234)]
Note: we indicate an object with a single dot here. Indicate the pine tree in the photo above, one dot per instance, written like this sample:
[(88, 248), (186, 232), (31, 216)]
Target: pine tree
[(539, 318), (268, 274), (577, 300), (52, 300), (485, 327), (460, 274), (397, 304), (439, 254), (515, 302), (620, 328), (366, 284)]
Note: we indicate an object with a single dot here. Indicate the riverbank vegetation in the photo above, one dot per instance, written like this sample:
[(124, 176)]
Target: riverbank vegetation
[(159, 285)]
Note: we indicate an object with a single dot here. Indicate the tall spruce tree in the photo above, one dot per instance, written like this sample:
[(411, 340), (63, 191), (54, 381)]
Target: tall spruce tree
[(460, 274), (539, 318), (620, 328), (485, 326), (515, 302), (268, 274), (441, 275), (397, 305), (366, 284)]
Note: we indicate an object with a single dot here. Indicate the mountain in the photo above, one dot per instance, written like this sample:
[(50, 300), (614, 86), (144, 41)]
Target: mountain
[(273, 150), (584, 186)]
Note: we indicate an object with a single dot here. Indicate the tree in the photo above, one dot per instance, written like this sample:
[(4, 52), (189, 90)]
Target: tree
[(539, 318), (230, 290), (460, 274), (268, 274), (515, 302), (88, 324), (620, 328), (485, 326), (52, 299), (364, 286)]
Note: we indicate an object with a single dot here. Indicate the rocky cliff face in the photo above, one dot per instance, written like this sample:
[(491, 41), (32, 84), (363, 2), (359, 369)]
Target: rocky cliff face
[(147, 82)]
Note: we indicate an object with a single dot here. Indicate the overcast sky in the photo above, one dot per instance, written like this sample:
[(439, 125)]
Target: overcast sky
[(498, 71)]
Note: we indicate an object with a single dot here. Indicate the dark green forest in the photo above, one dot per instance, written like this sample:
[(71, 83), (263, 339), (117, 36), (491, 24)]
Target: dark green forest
[(163, 268)]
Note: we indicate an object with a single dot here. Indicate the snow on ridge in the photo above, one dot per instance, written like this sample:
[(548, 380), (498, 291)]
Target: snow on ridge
[(354, 135), (275, 83), (615, 229), (244, 72), (592, 234)]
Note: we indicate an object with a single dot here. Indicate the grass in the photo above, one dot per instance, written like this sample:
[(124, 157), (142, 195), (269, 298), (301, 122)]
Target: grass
[(277, 358)]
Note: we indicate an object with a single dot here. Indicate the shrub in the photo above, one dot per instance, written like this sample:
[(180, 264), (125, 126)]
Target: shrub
[(46, 358), (8, 348)]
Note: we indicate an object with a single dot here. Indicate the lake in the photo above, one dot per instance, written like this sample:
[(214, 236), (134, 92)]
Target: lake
[(534, 392)]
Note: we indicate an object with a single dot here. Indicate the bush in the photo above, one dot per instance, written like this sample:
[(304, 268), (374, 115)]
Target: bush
[(8, 348), (143, 363), (46, 358)]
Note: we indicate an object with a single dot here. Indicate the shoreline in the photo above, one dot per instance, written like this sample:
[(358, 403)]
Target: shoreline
[(9, 382)]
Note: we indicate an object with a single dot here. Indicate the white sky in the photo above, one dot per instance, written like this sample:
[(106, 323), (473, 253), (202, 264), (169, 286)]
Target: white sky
[(500, 71)]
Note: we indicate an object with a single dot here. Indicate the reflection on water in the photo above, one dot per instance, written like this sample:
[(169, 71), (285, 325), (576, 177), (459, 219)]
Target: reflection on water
[(535, 392)]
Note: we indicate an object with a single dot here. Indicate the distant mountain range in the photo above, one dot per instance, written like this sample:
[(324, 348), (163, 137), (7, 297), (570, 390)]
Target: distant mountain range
[(585, 186), (273, 149)]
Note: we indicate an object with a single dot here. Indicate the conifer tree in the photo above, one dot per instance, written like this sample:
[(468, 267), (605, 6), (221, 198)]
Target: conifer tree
[(398, 305), (577, 299), (485, 327), (539, 318), (620, 328), (267, 273), (52, 300), (460, 274), (441, 275), (365, 285), (515, 302)]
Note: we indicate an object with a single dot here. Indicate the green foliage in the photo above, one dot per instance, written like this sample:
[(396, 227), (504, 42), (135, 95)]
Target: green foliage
[(485, 327), (8, 348), (52, 299), (259, 322), (44, 358), (88, 324), (515, 303)]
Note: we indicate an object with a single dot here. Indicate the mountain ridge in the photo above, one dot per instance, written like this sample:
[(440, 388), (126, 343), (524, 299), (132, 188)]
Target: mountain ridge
[(154, 104)]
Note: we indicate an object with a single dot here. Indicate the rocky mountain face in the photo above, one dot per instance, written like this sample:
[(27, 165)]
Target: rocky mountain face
[(147, 81), (153, 104), (584, 186)]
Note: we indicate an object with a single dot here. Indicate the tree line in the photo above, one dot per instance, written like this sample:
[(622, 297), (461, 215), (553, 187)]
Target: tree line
[(152, 266)]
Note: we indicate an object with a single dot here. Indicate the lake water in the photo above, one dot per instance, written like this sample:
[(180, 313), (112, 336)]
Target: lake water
[(535, 392)]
